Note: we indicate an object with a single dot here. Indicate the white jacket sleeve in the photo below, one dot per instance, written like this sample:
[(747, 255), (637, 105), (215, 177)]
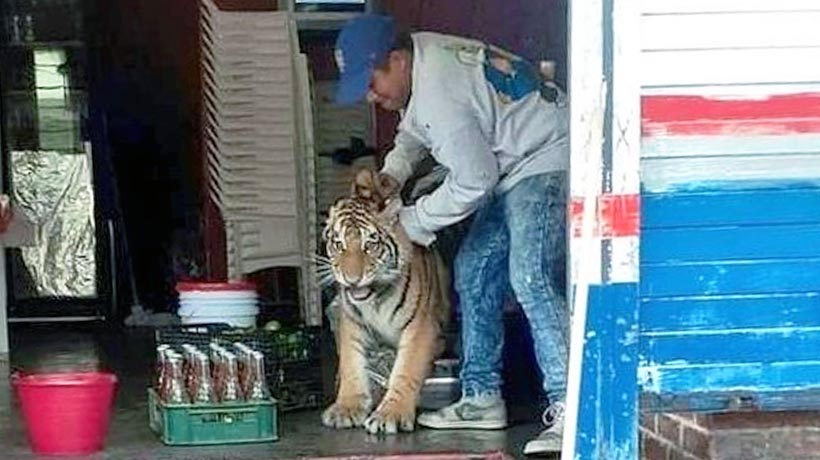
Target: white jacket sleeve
[(473, 172), (401, 161)]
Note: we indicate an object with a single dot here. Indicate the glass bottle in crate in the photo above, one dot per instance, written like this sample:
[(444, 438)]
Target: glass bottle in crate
[(159, 367), (167, 355), (217, 372), (215, 355), (170, 354), (188, 372), (280, 387), (175, 386), (204, 389), (192, 373), (14, 28), (258, 389), (241, 365), (28, 31), (230, 382)]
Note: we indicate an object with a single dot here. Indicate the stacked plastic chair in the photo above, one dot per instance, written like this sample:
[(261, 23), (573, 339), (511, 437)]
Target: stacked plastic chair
[(259, 142)]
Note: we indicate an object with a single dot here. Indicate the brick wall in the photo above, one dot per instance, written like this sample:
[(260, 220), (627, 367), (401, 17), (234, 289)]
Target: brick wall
[(731, 436), (766, 435), (675, 437)]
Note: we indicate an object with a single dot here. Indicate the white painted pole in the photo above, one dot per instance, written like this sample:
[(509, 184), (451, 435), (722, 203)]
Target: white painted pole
[(580, 296), (587, 95)]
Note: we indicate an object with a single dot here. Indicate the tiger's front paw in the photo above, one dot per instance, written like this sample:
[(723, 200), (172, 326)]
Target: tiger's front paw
[(348, 414), (391, 417)]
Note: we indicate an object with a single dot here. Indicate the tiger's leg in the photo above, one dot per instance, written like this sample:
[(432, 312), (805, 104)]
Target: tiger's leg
[(353, 400), (416, 352)]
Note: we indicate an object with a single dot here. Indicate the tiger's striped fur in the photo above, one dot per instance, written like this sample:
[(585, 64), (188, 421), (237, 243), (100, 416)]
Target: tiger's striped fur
[(391, 293)]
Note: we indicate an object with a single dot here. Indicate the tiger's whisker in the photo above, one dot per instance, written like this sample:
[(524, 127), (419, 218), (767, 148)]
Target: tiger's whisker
[(320, 260), (325, 282)]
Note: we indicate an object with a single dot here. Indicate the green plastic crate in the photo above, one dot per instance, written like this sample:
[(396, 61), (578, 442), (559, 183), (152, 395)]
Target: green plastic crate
[(200, 424)]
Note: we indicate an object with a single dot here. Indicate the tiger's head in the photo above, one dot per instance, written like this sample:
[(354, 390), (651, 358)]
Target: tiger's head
[(367, 252)]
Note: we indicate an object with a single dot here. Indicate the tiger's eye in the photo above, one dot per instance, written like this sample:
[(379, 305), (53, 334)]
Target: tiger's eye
[(371, 247)]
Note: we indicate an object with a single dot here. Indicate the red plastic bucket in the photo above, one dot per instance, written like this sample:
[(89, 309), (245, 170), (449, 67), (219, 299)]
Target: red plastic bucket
[(66, 414), (187, 286)]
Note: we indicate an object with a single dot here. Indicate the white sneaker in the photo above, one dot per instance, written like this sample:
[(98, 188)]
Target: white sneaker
[(469, 413), (549, 441)]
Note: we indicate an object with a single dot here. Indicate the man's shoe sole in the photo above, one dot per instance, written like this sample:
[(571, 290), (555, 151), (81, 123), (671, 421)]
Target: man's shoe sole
[(466, 425), (538, 450)]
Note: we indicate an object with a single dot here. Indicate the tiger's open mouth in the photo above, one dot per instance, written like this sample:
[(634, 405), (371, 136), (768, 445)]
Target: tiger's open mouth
[(360, 294)]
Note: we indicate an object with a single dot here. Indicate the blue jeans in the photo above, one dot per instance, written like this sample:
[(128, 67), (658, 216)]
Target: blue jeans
[(517, 239)]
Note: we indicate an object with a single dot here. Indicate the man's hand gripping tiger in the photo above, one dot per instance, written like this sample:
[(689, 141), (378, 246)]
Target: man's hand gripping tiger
[(390, 293)]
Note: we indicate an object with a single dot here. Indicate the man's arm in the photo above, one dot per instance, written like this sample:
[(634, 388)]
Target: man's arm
[(401, 161), (467, 154)]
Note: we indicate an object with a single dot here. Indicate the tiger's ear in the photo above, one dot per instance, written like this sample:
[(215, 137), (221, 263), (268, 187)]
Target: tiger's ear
[(364, 184)]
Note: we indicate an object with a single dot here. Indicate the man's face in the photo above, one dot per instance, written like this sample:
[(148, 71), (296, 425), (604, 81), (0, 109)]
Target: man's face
[(390, 85)]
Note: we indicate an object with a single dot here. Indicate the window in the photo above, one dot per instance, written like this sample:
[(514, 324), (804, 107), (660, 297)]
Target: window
[(58, 121)]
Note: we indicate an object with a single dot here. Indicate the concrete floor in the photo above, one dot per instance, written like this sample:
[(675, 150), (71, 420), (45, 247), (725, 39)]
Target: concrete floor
[(129, 355)]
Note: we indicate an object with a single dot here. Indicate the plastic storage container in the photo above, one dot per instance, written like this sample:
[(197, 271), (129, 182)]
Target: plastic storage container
[(292, 357), (218, 423), (66, 413), (234, 303)]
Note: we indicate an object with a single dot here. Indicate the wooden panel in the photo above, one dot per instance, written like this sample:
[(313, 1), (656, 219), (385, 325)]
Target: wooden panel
[(735, 346), (608, 373), (702, 313), (725, 6), (730, 66), (780, 386), (768, 203), (730, 243), (681, 144), (730, 30), (726, 116), (805, 398), (750, 376), (734, 91), (730, 297), (669, 174), (687, 139), (735, 277)]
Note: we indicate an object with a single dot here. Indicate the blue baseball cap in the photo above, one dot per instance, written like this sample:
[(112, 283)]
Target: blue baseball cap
[(363, 43)]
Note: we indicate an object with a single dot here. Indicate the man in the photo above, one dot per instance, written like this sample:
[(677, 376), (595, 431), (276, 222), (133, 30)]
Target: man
[(503, 135)]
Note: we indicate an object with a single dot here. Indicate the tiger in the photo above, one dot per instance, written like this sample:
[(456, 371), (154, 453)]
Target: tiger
[(390, 292)]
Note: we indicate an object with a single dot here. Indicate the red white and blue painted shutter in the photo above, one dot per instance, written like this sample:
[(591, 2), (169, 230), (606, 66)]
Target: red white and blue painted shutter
[(730, 169)]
